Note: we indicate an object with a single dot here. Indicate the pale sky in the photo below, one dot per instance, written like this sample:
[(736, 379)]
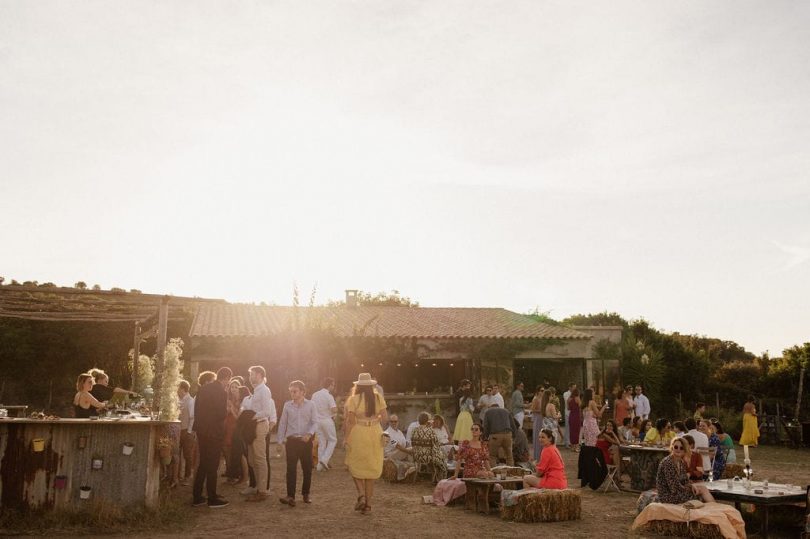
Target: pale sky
[(649, 158)]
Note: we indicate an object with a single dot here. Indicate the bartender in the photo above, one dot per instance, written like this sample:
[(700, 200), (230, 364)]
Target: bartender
[(102, 390)]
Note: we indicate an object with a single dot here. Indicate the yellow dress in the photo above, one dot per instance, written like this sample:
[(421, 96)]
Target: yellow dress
[(750, 433), (364, 454)]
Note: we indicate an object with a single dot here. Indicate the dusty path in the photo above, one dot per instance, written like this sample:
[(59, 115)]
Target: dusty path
[(398, 510)]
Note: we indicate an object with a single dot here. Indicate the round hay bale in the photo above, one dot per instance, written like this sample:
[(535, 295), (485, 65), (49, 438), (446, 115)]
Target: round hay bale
[(681, 529), (389, 472), (545, 506)]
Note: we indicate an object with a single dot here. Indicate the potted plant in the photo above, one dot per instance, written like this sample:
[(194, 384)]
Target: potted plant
[(97, 462), (127, 448), (164, 447), (82, 442), (60, 482), (84, 492)]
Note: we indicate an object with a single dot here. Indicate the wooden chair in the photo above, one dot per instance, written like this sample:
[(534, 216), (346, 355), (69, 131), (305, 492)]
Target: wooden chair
[(424, 468), (610, 478)]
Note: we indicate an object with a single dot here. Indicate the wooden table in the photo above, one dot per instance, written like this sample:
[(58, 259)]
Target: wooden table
[(477, 488), (643, 464), (775, 495)]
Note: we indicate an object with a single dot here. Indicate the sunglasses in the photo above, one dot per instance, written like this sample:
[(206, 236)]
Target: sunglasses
[(677, 447)]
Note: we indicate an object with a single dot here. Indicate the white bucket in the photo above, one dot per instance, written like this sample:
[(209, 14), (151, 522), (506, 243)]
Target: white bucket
[(84, 493), (128, 448), (97, 464)]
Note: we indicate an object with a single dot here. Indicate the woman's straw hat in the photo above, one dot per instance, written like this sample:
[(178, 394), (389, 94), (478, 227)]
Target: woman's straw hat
[(365, 379)]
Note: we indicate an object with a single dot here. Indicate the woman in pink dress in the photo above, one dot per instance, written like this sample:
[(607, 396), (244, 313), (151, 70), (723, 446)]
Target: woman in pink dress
[(590, 416), (550, 469)]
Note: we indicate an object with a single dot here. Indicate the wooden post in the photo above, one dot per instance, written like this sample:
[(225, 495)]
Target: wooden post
[(163, 318), (136, 354)]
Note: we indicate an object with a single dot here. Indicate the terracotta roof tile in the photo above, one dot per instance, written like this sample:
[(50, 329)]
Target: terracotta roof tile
[(216, 320)]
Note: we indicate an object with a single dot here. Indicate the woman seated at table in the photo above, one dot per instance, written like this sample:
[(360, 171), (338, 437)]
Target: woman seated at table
[(716, 452), (426, 446), (84, 404), (660, 434), (442, 434), (608, 442), (475, 455), (672, 479), (679, 428), (643, 428), (550, 469), (726, 442), (693, 460)]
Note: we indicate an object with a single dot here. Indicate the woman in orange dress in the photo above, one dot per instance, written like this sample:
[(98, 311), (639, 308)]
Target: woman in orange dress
[(550, 469)]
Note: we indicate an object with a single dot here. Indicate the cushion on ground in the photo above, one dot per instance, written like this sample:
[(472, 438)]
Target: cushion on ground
[(544, 506)]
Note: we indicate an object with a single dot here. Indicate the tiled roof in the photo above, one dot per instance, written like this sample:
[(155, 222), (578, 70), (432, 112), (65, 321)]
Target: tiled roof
[(217, 321)]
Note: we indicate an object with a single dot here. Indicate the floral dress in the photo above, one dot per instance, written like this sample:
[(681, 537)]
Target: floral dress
[(474, 458), (672, 481), (719, 457), (590, 428)]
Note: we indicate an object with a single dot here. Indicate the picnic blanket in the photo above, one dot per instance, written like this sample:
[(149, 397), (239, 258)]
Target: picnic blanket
[(448, 490), (725, 517)]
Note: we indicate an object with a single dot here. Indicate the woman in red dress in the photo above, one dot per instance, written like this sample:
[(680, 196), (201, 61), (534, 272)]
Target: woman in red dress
[(475, 456), (550, 469)]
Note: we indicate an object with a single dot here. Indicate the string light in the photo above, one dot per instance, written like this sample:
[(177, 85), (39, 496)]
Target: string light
[(434, 364)]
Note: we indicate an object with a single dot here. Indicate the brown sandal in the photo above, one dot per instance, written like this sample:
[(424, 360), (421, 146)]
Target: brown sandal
[(360, 504), (366, 509)]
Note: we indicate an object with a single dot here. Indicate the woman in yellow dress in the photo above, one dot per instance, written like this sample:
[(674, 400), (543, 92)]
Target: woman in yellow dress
[(464, 420), (750, 433), (364, 411)]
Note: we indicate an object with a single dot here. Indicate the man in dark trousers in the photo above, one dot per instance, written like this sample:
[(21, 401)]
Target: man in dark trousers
[(209, 424)]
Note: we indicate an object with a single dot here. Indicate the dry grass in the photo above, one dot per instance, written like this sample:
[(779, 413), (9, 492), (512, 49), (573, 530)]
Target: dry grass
[(545, 506), (681, 529), (100, 517)]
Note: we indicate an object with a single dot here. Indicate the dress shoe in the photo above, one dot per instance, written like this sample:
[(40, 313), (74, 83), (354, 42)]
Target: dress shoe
[(307, 499), (288, 501)]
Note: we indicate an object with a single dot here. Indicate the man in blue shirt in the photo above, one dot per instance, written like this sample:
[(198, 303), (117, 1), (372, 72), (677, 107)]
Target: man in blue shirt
[(299, 419)]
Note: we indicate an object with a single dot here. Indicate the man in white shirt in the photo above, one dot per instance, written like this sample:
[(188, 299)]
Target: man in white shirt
[(188, 442), (326, 407), (698, 432), (411, 428), (265, 417), (497, 398), (397, 449), (484, 402), (642, 403), (564, 404)]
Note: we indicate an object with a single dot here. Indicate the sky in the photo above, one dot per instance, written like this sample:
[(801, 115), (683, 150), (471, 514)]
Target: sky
[(649, 158)]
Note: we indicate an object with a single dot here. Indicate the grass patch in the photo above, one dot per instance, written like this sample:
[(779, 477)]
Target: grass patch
[(101, 517)]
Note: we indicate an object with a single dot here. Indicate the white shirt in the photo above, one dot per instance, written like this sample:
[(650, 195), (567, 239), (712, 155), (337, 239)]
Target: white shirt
[(497, 397), (442, 435), (564, 403), (324, 403), (642, 406), (395, 437), (245, 404), (186, 405), (262, 403), (702, 442), (411, 428)]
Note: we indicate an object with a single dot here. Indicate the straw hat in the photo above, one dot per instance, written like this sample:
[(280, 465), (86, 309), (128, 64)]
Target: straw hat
[(365, 379)]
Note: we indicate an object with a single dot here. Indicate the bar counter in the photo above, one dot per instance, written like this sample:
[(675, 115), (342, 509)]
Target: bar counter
[(44, 463)]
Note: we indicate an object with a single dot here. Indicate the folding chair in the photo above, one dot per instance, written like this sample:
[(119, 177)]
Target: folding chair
[(610, 479), (423, 468)]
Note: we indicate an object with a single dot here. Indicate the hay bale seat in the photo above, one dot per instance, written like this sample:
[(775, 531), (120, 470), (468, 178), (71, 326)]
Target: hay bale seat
[(545, 506), (681, 529), (389, 473)]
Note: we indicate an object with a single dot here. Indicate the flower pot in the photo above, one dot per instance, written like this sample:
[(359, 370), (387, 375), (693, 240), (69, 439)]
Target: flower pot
[(60, 482), (82, 442), (164, 451), (38, 445), (128, 448), (166, 460), (97, 464), (84, 493)]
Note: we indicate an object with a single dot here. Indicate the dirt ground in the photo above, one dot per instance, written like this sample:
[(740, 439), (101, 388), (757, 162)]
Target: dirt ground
[(398, 510)]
